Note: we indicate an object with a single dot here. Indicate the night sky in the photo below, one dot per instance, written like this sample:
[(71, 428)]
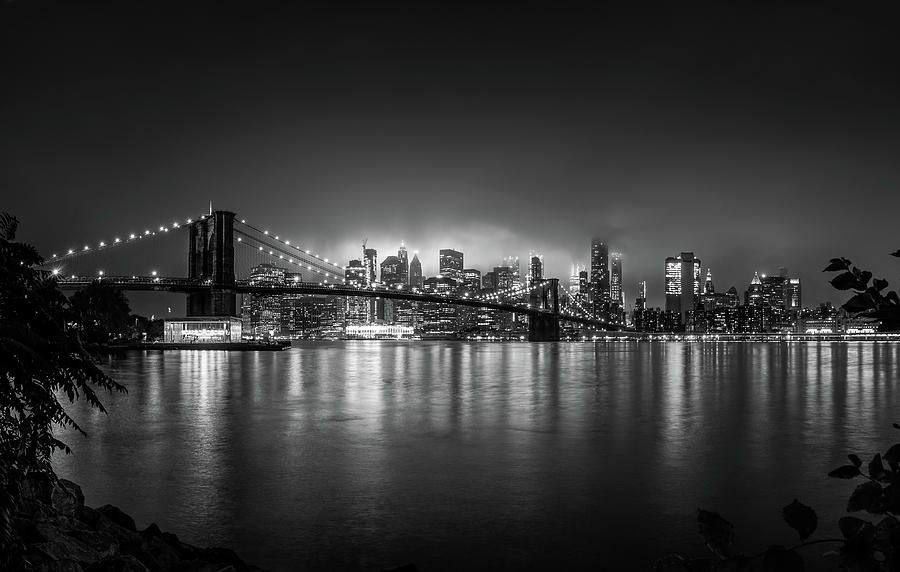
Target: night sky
[(756, 137)]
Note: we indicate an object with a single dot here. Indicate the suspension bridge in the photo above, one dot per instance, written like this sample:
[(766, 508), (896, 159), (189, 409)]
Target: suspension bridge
[(222, 249)]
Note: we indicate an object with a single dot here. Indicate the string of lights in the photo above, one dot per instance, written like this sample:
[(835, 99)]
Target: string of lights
[(129, 238)]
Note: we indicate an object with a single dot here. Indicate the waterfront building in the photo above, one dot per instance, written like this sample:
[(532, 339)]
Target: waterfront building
[(202, 330), (440, 320), (261, 314), (378, 331), (356, 309), (489, 281)]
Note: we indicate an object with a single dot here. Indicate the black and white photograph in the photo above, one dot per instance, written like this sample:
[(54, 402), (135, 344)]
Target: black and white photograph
[(448, 286)]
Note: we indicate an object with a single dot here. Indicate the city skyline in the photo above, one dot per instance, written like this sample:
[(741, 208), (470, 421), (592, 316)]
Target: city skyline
[(681, 129)]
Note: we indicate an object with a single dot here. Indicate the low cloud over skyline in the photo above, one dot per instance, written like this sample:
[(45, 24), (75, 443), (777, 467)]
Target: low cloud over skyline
[(755, 137)]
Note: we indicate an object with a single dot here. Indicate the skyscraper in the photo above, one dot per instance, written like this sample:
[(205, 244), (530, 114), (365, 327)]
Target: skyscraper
[(682, 283), (599, 270), (708, 287), (472, 280), (391, 272), (451, 264), (536, 267), (616, 293), (640, 301), (512, 263), (370, 262), (415, 273), (574, 279), (404, 264)]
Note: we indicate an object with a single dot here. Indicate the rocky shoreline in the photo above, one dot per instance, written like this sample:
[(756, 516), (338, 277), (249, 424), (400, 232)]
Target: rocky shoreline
[(60, 534)]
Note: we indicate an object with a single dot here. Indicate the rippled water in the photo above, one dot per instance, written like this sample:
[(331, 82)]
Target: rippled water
[(359, 455)]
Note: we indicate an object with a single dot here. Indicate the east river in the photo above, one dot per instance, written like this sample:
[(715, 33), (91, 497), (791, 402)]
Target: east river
[(450, 455)]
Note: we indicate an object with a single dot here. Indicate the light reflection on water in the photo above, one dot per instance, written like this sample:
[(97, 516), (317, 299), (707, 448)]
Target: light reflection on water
[(358, 455)]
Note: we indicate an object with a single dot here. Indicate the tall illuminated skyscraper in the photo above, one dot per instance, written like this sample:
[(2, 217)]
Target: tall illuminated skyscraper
[(370, 262), (451, 264), (599, 270), (415, 273), (682, 283), (535, 267), (616, 292), (708, 287), (575, 279), (640, 301), (404, 264), (512, 263)]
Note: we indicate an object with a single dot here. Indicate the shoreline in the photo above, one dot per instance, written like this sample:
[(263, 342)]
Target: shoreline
[(59, 532)]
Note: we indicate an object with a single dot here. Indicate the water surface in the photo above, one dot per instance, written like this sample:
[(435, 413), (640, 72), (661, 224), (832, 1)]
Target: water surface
[(360, 455)]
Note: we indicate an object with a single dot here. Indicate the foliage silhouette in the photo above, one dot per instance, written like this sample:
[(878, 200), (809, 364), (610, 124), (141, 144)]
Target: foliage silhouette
[(42, 360), (102, 312), (868, 301)]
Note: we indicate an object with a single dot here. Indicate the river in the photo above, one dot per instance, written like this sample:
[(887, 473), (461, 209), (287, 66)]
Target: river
[(360, 455)]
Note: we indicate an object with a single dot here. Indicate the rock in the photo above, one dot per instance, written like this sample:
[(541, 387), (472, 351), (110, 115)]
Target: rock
[(223, 555), (106, 545), (62, 547), (28, 532), (116, 515), (152, 530), (62, 566), (120, 564), (89, 516), (66, 497)]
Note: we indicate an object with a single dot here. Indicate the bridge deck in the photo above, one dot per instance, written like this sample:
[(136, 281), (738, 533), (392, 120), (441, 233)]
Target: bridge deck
[(187, 286)]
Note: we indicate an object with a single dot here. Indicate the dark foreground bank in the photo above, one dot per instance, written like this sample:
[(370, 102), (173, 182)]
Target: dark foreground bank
[(59, 533)]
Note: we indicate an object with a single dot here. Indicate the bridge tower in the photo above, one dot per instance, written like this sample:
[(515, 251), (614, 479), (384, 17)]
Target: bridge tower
[(545, 295), (211, 259)]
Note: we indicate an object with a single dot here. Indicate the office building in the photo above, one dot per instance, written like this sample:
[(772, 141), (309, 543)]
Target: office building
[(391, 272), (404, 264), (599, 271), (682, 284), (471, 280), (370, 262), (512, 263), (450, 264), (616, 292), (416, 279), (536, 267), (640, 301)]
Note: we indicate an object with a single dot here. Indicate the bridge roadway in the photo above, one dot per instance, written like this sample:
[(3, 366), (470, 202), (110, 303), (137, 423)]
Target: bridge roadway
[(188, 286)]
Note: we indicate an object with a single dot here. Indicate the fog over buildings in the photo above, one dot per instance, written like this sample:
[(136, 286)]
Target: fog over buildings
[(749, 137)]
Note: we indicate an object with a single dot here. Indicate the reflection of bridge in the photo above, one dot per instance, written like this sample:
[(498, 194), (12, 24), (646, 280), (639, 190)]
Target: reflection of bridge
[(212, 287)]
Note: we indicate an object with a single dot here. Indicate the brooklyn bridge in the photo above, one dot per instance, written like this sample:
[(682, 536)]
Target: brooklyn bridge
[(221, 248)]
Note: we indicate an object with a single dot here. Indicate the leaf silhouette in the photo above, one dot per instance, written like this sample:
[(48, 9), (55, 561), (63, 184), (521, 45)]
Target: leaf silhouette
[(845, 472), (801, 518), (868, 497), (717, 533)]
